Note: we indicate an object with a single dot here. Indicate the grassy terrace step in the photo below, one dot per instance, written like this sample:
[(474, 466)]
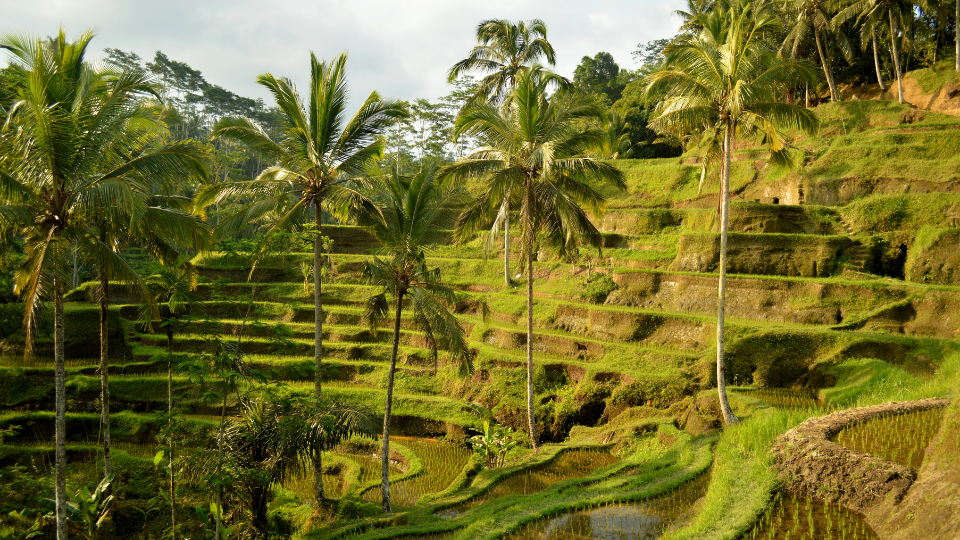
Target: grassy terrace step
[(263, 344)]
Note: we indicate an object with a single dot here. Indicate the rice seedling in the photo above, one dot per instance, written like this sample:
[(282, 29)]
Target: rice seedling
[(796, 517), (784, 397), (18, 361), (334, 481), (900, 438), (442, 461), (572, 464), (644, 520)]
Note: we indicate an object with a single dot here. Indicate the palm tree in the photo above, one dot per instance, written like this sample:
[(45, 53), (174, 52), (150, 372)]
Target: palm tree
[(874, 12), (727, 79), (315, 162), (505, 49), (695, 9), (172, 286), (871, 38), (533, 147), (813, 17), (158, 229), (414, 211), (274, 441), (77, 142)]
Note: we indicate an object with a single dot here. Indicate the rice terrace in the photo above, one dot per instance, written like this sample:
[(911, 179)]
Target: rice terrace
[(709, 293)]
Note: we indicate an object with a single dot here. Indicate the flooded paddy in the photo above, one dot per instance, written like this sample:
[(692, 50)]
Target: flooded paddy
[(572, 464), (796, 517), (899, 438), (442, 462), (644, 520)]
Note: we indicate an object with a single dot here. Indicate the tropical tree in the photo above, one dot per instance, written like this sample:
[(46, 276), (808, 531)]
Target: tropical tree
[(505, 50), (534, 147), (274, 441), (173, 288), (695, 10), (315, 162), (813, 17), (726, 80), (77, 143), (415, 212), (873, 12)]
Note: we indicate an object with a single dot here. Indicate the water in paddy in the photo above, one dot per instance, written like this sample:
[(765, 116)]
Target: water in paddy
[(793, 517), (901, 439), (644, 520), (572, 464), (442, 462)]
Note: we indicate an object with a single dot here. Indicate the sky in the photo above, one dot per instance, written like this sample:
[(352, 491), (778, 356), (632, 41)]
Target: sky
[(402, 49)]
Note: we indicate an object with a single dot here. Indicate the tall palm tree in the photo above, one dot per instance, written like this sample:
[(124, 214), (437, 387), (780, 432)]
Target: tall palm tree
[(314, 164), (813, 17), (874, 12), (160, 225), (726, 78), (533, 146), (505, 49), (76, 142), (414, 210), (868, 34)]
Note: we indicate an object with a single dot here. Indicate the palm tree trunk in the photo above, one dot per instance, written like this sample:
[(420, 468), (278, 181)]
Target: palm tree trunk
[(223, 417), (506, 242), (728, 417), (957, 32), (173, 494), (104, 376), (60, 376), (528, 231), (896, 56), (876, 58), (825, 61), (318, 343), (385, 486)]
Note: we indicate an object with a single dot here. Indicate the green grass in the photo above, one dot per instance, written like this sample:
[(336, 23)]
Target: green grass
[(935, 78)]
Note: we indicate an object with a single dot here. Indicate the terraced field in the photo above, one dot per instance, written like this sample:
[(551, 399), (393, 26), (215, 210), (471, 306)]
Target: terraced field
[(820, 317)]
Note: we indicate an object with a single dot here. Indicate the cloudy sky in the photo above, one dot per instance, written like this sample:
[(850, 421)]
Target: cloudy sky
[(402, 49)]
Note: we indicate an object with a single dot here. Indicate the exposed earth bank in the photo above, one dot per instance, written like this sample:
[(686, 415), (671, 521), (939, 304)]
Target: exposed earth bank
[(899, 502)]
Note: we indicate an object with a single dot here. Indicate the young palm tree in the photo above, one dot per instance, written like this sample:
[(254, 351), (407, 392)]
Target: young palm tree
[(314, 164), (172, 287), (414, 211), (533, 146), (813, 17), (274, 441), (77, 143), (726, 79), (505, 49)]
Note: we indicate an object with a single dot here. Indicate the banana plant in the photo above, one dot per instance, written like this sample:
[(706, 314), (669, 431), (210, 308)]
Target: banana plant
[(88, 511), (497, 440)]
